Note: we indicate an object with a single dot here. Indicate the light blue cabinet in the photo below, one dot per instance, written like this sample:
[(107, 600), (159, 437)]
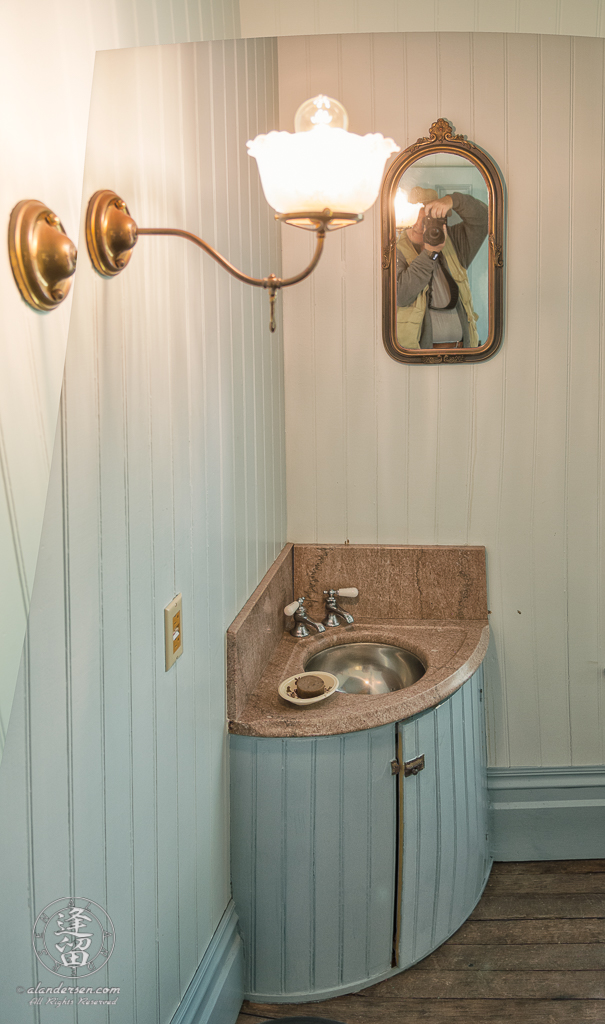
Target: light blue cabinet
[(332, 871), (446, 858)]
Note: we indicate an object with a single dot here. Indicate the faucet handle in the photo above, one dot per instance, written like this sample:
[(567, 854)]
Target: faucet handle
[(332, 609), (343, 592), (301, 619)]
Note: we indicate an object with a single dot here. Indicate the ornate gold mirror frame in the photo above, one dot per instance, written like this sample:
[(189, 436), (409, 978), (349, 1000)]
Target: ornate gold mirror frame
[(442, 140)]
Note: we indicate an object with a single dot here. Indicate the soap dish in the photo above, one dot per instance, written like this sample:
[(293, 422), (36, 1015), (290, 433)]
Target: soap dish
[(287, 689)]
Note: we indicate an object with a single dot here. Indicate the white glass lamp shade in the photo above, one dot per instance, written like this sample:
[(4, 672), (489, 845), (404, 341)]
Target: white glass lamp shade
[(406, 213), (321, 167)]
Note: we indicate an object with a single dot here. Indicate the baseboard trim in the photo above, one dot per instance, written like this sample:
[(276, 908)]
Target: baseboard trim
[(547, 813), (216, 991)]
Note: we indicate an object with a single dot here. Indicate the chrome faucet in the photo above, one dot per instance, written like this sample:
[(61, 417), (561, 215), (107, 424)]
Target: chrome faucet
[(332, 609), (301, 619)]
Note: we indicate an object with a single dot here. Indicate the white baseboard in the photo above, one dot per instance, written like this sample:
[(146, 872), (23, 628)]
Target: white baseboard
[(216, 992), (547, 813)]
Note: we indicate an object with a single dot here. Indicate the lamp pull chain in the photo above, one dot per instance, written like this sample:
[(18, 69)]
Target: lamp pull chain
[(272, 283)]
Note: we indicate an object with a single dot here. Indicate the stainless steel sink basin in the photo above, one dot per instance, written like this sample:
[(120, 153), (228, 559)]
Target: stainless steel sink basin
[(368, 668)]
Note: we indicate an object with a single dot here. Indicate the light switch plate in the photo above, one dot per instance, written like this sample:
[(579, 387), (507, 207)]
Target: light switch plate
[(173, 630)]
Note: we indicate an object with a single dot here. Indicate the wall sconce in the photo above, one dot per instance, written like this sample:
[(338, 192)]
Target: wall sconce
[(320, 178), (43, 258)]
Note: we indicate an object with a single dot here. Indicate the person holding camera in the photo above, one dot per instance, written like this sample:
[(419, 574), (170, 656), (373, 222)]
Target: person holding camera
[(434, 301)]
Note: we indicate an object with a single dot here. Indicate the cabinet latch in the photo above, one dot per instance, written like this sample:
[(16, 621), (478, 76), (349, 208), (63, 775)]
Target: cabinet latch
[(409, 767), (414, 766)]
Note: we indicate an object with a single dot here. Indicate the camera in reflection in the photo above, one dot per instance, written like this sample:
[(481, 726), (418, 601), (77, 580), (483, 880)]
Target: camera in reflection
[(432, 230)]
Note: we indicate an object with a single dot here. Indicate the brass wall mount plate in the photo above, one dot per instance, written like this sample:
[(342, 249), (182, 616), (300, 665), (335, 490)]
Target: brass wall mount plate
[(111, 233), (43, 258)]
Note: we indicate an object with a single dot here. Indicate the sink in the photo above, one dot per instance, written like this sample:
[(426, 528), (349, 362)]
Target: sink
[(368, 668)]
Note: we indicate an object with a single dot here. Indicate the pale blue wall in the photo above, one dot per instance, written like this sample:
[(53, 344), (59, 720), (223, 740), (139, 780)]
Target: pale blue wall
[(47, 57), (167, 477)]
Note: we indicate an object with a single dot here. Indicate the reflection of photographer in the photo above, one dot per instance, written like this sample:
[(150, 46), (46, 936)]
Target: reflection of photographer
[(434, 301)]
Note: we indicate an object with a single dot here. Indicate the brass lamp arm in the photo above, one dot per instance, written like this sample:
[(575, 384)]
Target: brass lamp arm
[(271, 282), (111, 235)]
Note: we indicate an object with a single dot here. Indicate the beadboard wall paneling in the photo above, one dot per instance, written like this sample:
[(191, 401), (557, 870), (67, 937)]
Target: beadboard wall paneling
[(314, 17), (167, 477), (47, 54), (507, 453)]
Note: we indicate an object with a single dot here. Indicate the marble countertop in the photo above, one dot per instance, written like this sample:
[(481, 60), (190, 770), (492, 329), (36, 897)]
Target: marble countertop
[(451, 651)]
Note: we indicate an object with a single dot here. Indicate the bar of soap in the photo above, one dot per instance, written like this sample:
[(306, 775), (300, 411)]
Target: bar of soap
[(308, 686)]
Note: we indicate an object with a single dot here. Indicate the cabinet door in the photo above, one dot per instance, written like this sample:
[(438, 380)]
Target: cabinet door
[(313, 861), (444, 821)]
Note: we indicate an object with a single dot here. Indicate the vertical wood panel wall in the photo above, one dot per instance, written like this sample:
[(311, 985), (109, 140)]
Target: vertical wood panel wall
[(167, 477), (47, 55), (307, 17), (507, 453)]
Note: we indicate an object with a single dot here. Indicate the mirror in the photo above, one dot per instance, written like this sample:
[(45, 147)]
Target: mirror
[(442, 251)]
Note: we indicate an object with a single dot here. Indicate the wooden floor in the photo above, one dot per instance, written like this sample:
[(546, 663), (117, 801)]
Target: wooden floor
[(533, 952)]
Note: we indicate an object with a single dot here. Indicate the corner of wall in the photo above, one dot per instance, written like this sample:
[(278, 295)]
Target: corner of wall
[(216, 992)]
